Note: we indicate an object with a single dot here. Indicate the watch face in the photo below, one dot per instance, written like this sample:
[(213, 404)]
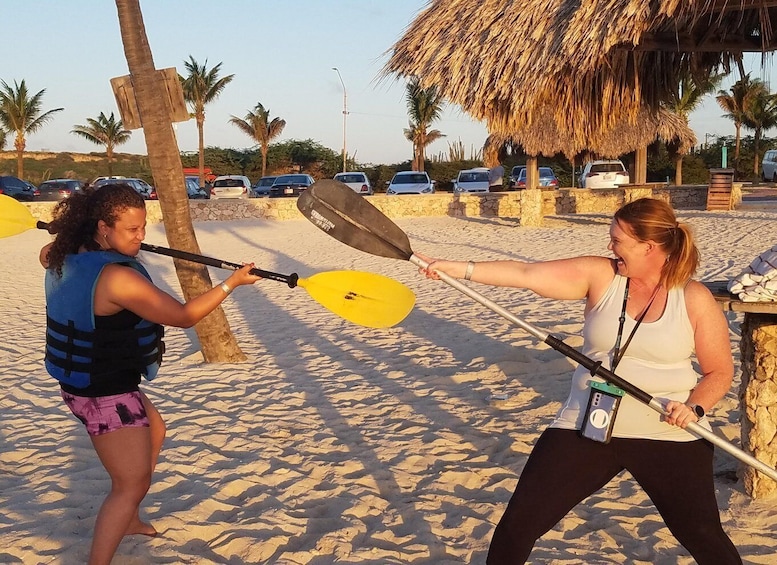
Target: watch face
[(699, 411)]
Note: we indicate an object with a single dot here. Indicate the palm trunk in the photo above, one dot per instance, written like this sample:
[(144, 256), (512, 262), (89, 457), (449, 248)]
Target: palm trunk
[(756, 150), (218, 343), (20, 144), (264, 158), (201, 147), (109, 156)]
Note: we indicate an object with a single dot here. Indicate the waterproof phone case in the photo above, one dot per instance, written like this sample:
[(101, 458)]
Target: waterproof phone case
[(600, 413)]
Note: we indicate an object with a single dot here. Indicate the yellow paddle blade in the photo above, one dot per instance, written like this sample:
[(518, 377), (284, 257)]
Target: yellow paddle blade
[(365, 299), (15, 218)]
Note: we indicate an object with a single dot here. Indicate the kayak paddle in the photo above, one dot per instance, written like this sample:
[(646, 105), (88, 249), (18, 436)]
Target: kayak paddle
[(351, 219), (366, 299)]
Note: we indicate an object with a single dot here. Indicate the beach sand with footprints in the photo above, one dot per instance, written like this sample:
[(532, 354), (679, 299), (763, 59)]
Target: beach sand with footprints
[(336, 443)]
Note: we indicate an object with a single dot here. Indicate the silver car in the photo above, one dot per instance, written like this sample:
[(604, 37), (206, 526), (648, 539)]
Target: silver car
[(230, 186), (410, 182), (471, 180), (358, 182)]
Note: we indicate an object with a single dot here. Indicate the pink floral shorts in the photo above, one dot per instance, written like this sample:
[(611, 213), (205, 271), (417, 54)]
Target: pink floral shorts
[(104, 414)]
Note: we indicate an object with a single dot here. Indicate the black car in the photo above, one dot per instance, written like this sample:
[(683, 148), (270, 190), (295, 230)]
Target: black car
[(515, 175), (17, 188), (290, 185), (59, 189), (262, 187), (193, 190)]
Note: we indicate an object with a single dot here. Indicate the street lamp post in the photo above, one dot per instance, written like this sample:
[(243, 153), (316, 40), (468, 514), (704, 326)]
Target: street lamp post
[(345, 115)]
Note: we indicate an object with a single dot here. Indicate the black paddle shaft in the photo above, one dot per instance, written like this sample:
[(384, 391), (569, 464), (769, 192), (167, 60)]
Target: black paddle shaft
[(290, 280)]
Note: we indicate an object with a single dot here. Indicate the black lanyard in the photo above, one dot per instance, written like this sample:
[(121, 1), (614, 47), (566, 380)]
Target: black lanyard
[(618, 353)]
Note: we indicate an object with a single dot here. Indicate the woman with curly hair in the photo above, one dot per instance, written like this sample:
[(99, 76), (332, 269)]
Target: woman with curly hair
[(104, 321)]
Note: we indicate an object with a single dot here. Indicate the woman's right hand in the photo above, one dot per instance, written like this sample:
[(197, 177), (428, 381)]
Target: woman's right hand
[(453, 268), (242, 276)]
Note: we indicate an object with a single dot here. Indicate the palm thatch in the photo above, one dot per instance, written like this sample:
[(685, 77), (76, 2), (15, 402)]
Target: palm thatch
[(600, 62), (544, 138)]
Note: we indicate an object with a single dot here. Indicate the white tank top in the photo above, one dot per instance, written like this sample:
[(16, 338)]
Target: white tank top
[(658, 361)]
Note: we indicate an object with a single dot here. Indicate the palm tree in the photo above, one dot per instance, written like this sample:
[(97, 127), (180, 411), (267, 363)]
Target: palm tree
[(218, 343), (258, 126), (424, 106), (735, 103), (202, 87), (761, 115), (104, 131), (22, 114), (3, 139), (684, 101)]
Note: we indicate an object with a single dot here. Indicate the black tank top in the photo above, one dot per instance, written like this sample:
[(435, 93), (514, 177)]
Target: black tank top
[(107, 377)]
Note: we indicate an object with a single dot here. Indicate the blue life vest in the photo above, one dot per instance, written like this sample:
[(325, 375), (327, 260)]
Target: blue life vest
[(72, 344)]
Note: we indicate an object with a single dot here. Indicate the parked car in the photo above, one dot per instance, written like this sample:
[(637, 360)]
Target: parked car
[(230, 186), (290, 185), (193, 190), (514, 174), (59, 189), (262, 186), (358, 182), (141, 187), (17, 188), (471, 180), (410, 182), (604, 174), (769, 166), (98, 179), (547, 179)]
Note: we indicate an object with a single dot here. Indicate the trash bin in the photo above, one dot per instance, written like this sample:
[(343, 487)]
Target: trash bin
[(719, 189)]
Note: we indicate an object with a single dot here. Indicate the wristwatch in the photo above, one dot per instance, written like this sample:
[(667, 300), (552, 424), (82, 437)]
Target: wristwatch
[(698, 410)]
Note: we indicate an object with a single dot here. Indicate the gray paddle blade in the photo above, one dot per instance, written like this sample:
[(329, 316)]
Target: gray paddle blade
[(351, 219)]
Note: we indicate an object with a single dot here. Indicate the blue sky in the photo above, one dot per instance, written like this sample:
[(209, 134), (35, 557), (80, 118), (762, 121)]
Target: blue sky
[(281, 53)]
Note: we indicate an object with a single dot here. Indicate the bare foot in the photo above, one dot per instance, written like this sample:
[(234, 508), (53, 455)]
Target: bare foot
[(139, 527)]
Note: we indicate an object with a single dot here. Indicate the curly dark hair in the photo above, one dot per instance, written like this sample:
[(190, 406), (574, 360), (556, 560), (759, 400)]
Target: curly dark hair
[(75, 219)]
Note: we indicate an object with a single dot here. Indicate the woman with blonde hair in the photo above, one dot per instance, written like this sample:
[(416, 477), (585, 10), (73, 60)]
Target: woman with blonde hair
[(645, 317)]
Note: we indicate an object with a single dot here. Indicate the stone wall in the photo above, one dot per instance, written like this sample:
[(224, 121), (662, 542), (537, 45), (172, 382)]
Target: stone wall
[(528, 205)]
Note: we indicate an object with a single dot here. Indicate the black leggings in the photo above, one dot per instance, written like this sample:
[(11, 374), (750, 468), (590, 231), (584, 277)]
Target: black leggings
[(563, 469)]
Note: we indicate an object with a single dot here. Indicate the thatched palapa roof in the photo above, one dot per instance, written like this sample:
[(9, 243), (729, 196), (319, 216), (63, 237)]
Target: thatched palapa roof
[(544, 138), (596, 62)]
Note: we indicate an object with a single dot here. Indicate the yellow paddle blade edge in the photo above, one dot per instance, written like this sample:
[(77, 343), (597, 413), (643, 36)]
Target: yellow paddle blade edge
[(15, 218), (366, 299)]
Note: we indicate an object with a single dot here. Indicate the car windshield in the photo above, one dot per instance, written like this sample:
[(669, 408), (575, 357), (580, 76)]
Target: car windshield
[(350, 178), (473, 177), (228, 183), (517, 171), (292, 179), (266, 181), (546, 172), (607, 168), (410, 179)]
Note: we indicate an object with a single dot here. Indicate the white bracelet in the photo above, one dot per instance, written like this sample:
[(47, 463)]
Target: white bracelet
[(468, 272), (225, 287)]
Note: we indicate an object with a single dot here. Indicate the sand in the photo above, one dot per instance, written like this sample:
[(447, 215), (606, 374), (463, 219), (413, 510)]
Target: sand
[(341, 444)]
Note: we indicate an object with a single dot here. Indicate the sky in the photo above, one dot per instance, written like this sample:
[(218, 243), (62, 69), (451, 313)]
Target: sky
[(281, 52)]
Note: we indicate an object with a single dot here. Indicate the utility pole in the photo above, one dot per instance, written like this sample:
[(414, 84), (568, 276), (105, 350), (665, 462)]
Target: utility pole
[(345, 115)]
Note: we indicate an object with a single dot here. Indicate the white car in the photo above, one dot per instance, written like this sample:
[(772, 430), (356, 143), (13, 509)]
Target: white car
[(471, 180), (230, 186), (358, 182), (604, 174), (410, 182)]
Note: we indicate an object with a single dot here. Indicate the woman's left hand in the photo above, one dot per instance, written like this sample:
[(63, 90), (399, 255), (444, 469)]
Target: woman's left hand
[(679, 414)]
